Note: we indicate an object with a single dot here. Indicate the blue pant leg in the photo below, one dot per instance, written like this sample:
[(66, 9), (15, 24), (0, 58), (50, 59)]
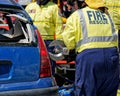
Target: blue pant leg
[(119, 39), (84, 78), (96, 74), (111, 82)]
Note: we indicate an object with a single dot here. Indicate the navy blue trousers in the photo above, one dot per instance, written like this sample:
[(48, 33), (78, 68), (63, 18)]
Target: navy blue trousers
[(97, 72)]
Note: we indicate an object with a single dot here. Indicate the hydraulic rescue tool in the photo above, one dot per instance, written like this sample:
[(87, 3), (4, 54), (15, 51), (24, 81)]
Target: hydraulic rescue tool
[(61, 52)]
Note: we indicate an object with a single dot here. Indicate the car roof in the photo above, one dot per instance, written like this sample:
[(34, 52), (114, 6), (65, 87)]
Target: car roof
[(9, 4)]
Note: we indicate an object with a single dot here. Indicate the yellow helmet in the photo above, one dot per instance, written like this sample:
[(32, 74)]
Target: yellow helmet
[(95, 3)]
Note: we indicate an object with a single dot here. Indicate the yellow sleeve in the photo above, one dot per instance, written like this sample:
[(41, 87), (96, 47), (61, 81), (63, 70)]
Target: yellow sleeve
[(57, 18), (68, 34), (30, 9), (114, 10)]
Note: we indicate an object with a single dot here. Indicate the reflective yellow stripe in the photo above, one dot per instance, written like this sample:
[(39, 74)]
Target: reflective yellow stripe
[(48, 37), (114, 6), (87, 39), (118, 92)]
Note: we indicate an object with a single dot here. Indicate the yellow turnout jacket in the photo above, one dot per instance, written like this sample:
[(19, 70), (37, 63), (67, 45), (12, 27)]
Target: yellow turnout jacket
[(46, 18)]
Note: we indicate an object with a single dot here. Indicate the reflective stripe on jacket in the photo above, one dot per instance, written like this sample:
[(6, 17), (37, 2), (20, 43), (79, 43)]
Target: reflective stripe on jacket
[(90, 29), (114, 10), (46, 18)]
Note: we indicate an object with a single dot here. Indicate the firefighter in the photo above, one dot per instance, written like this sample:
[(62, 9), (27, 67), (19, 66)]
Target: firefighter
[(68, 8), (47, 18), (91, 32), (114, 10)]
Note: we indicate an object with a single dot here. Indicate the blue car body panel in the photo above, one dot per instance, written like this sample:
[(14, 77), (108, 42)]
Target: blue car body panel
[(41, 83), (20, 57), (23, 71), (25, 63)]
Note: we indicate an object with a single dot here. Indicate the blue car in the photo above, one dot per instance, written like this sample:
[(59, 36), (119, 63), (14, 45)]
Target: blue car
[(25, 68)]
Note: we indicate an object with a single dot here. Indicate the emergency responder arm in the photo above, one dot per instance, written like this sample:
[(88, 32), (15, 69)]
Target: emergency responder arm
[(57, 19), (114, 10), (69, 37), (72, 28), (30, 9)]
